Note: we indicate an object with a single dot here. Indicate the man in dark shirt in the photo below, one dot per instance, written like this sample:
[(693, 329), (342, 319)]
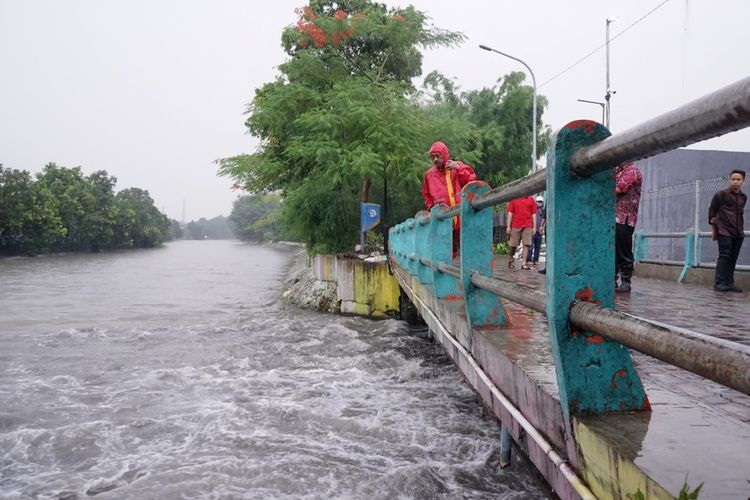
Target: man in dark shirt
[(726, 216)]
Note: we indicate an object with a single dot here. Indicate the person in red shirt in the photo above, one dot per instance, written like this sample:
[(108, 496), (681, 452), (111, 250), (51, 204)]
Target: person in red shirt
[(443, 183), (521, 227)]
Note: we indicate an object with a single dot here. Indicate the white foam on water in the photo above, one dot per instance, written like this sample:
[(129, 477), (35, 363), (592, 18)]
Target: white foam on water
[(232, 400)]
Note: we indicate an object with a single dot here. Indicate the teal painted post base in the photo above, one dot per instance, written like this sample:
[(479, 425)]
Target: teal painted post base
[(483, 308), (422, 230), (441, 236), (594, 375)]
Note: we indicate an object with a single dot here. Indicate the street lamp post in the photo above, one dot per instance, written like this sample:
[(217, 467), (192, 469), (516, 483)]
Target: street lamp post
[(533, 104), (603, 105), (608, 91)]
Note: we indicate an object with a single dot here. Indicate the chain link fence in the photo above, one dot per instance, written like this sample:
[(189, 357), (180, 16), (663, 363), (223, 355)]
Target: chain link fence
[(675, 209)]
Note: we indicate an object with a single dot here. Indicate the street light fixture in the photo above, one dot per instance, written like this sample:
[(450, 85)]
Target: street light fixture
[(533, 104), (603, 105), (608, 91)]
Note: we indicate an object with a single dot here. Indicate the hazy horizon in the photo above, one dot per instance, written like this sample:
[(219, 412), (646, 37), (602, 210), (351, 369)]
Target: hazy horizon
[(154, 92)]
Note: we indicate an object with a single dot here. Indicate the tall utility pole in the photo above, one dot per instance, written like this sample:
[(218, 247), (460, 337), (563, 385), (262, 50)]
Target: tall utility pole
[(533, 104), (608, 91)]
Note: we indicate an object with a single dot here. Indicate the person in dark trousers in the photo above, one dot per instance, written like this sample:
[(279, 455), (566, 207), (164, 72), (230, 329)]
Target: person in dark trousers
[(628, 182), (536, 239), (725, 214)]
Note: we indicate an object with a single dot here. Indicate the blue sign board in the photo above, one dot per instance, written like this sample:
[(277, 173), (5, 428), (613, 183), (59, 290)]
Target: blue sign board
[(369, 216)]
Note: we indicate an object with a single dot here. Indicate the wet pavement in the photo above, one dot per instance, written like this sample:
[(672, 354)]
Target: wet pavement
[(698, 430)]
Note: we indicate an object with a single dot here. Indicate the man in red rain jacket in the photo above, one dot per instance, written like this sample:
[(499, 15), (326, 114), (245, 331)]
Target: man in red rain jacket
[(443, 183)]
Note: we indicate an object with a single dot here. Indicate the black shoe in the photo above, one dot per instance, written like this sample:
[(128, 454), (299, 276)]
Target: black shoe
[(722, 288), (542, 271), (733, 288), (623, 288)]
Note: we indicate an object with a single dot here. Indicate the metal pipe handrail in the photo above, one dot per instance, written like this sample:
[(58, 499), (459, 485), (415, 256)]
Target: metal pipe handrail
[(718, 113), (716, 359), (701, 265), (525, 186), (665, 235), (715, 114), (525, 296)]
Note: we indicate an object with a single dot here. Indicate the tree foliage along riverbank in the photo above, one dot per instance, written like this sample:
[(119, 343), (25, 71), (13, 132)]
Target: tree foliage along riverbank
[(343, 122), (60, 209)]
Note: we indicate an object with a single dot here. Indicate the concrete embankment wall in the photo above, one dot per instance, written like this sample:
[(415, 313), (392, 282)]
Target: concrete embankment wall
[(363, 288)]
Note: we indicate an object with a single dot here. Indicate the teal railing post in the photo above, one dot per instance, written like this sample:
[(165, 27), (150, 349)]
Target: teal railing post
[(640, 246), (441, 236), (424, 273), (594, 375), (394, 243), (689, 255), (483, 308), (411, 246)]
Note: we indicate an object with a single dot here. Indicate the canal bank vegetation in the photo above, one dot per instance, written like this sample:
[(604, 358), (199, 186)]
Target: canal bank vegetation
[(344, 122), (61, 210)]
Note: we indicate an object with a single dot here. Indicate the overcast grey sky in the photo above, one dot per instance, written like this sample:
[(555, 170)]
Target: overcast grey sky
[(154, 91)]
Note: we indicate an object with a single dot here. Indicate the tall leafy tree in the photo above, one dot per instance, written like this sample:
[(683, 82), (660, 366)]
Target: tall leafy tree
[(139, 224), (338, 118), (29, 220), (254, 217), (499, 138)]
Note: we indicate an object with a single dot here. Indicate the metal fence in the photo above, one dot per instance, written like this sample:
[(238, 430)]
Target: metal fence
[(673, 227)]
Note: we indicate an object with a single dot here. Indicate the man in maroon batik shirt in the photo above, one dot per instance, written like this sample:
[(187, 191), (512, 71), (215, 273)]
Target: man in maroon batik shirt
[(628, 182)]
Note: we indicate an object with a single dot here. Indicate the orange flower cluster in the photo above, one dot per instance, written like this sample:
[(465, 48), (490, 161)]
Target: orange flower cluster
[(398, 18), (315, 33)]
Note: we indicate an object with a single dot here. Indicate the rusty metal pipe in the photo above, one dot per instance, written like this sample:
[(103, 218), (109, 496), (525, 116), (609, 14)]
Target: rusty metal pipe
[(520, 294), (716, 359), (450, 270), (718, 113), (526, 186)]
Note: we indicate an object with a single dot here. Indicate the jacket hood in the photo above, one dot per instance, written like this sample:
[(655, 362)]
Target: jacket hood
[(441, 148)]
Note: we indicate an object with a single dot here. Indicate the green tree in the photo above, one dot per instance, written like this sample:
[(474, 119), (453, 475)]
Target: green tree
[(139, 224), (85, 205), (29, 220), (338, 117), (499, 138), (254, 217)]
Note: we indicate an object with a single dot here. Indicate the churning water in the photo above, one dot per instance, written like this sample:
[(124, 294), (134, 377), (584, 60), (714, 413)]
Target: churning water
[(178, 373)]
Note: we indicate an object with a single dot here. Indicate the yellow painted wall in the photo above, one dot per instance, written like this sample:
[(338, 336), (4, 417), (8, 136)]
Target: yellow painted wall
[(608, 474), (373, 285)]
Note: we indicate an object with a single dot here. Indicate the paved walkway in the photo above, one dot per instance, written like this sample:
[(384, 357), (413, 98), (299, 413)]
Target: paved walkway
[(693, 420), (697, 308)]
